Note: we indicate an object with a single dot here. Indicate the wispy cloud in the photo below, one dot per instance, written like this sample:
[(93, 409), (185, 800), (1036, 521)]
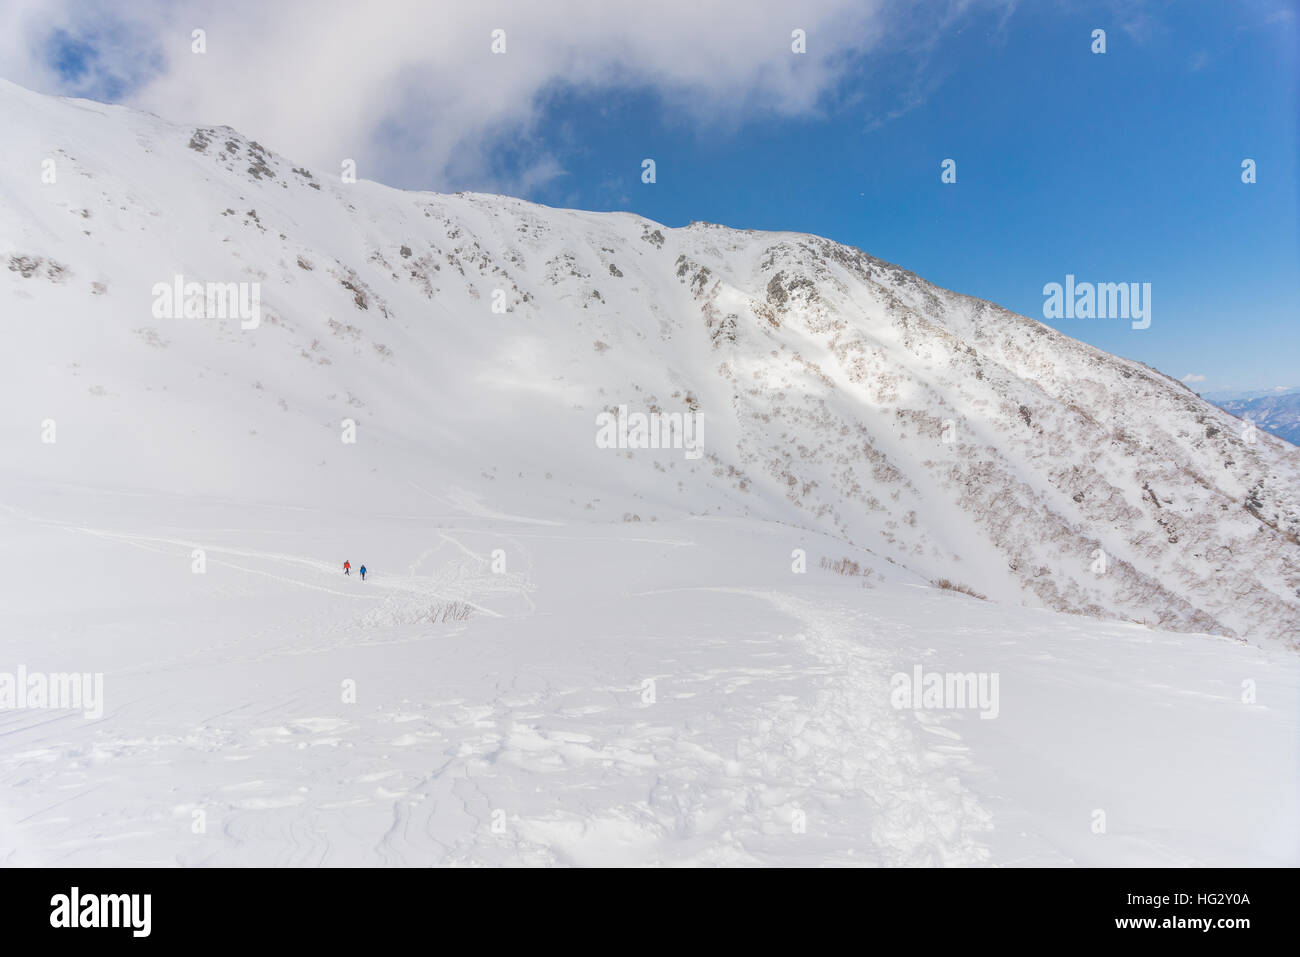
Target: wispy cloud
[(1192, 377), (412, 90)]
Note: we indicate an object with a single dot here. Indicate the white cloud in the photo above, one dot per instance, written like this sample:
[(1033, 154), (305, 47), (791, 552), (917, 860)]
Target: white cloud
[(410, 88), (329, 79), (1192, 377)]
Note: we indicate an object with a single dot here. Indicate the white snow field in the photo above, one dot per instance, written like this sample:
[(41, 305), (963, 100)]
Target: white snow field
[(771, 696), (574, 655)]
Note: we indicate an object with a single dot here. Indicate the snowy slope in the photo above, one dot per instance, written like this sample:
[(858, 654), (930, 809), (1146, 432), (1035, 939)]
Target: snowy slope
[(826, 378), (526, 732), (771, 698)]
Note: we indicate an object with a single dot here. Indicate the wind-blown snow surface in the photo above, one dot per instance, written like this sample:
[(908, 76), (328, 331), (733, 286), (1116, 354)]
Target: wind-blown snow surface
[(771, 696), (527, 733)]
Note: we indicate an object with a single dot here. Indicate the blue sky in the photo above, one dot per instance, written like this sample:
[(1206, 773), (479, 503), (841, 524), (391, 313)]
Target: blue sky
[(1115, 167)]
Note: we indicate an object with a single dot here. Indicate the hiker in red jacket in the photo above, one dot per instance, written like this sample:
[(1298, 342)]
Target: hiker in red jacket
[(347, 568)]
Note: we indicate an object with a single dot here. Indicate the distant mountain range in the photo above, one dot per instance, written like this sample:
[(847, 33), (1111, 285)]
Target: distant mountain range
[(1274, 411)]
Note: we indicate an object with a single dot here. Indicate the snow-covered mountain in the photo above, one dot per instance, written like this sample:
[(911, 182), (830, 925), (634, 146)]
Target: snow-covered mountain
[(572, 654), (839, 393)]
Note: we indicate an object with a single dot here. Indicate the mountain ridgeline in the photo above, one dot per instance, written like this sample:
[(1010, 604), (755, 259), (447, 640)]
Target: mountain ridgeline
[(471, 342)]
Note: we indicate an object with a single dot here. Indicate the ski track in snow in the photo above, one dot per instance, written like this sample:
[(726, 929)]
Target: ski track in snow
[(653, 782)]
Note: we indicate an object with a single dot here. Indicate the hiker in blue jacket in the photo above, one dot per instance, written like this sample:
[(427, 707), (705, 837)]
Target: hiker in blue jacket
[(363, 572)]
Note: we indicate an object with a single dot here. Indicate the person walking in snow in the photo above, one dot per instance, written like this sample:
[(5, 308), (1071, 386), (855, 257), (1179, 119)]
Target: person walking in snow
[(347, 568), (363, 572)]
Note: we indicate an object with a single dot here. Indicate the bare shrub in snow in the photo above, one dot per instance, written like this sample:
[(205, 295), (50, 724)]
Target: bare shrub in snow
[(450, 611), (845, 566), (953, 586)]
